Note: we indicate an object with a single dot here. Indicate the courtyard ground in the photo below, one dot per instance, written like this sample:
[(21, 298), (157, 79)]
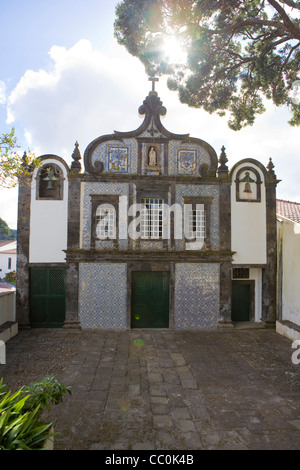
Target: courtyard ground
[(163, 389)]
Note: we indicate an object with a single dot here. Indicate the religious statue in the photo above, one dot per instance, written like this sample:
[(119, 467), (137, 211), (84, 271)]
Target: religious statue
[(152, 157)]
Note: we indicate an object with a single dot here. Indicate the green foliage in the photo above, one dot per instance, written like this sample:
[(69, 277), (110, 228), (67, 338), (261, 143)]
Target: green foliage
[(20, 429), (12, 165), (21, 426), (11, 277), (47, 391), (5, 231), (239, 52)]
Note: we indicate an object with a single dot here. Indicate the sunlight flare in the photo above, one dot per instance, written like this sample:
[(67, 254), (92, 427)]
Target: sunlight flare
[(174, 50)]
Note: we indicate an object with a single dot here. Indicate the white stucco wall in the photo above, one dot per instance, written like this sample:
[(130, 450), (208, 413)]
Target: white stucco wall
[(48, 225), (4, 258), (256, 275), (7, 306), (248, 222), (289, 269)]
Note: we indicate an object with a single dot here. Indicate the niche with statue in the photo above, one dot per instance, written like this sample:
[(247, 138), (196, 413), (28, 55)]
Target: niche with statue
[(153, 159)]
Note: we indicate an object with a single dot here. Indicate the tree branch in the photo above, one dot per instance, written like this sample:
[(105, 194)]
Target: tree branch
[(236, 26), (286, 19), (289, 55), (291, 4)]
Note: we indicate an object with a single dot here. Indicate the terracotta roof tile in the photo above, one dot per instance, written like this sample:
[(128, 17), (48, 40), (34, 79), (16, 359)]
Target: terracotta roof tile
[(288, 209)]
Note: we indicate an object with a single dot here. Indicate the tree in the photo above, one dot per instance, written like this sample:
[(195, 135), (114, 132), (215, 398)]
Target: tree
[(5, 231), (12, 165), (238, 51)]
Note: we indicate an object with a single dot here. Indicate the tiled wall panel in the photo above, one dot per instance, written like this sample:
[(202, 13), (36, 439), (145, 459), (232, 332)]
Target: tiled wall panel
[(117, 157), (102, 295), (185, 159), (197, 292)]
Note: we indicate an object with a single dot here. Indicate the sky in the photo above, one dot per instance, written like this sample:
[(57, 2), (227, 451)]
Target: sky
[(64, 78)]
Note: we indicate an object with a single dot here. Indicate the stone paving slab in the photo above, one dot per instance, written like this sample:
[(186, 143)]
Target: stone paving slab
[(164, 390)]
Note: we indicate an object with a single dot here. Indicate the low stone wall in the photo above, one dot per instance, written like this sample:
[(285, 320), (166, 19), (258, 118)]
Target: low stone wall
[(288, 329), (8, 324)]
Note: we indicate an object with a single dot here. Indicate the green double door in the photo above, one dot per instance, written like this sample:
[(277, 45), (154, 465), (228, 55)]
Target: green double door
[(150, 299), (47, 297)]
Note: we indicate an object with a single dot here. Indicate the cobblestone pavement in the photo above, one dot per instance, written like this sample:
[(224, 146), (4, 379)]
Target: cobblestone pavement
[(165, 390)]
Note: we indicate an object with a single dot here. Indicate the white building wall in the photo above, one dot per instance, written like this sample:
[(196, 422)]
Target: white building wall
[(48, 225), (4, 258), (256, 275), (7, 306), (248, 222), (288, 269)]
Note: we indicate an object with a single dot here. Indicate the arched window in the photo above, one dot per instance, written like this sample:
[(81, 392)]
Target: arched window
[(248, 185), (50, 182)]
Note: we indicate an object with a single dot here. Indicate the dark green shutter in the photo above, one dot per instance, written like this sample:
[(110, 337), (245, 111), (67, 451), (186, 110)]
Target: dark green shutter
[(240, 302), (150, 299), (47, 297)]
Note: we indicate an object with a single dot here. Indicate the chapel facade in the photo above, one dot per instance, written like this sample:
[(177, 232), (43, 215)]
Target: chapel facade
[(154, 232)]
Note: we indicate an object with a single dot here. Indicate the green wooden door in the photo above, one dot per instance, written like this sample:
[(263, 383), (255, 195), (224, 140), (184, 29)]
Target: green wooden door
[(47, 297), (150, 299), (240, 302)]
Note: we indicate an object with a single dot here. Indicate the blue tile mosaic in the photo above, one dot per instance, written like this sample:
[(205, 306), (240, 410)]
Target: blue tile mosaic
[(104, 244), (151, 245), (186, 158), (197, 292), (187, 162), (103, 295), (117, 157)]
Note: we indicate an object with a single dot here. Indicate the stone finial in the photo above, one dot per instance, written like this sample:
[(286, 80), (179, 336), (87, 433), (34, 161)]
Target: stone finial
[(223, 168), (76, 166), (24, 160), (270, 167)]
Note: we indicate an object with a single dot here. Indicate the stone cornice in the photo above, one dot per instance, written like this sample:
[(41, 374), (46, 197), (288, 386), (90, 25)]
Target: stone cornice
[(80, 255)]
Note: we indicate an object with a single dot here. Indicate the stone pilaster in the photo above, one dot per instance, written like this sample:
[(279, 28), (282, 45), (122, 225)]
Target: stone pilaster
[(225, 241), (23, 233), (72, 299), (72, 274), (269, 274)]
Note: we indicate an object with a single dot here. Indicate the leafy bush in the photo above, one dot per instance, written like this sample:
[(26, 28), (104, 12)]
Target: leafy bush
[(21, 426), (45, 392), (11, 277)]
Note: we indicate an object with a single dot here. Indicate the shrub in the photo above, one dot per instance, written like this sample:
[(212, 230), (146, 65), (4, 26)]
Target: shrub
[(21, 426), (11, 277), (45, 392)]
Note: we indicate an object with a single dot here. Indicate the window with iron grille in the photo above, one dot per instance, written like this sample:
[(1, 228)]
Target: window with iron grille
[(240, 273), (152, 218), (106, 223)]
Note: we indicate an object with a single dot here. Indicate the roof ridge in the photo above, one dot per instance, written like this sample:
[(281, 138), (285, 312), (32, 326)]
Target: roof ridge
[(285, 200)]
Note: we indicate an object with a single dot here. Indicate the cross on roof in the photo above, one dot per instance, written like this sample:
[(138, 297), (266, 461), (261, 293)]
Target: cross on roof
[(153, 80)]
